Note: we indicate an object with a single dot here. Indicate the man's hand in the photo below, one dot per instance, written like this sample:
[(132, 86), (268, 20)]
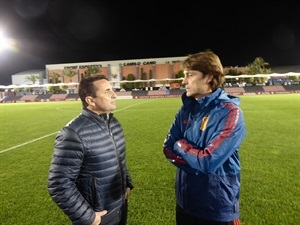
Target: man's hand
[(127, 193), (97, 220)]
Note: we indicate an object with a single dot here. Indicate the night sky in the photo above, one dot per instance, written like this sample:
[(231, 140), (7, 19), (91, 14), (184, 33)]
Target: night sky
[(69, 31)]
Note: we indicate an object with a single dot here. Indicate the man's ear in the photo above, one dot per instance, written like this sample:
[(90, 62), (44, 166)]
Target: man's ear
[(209, 78), (89, 100)]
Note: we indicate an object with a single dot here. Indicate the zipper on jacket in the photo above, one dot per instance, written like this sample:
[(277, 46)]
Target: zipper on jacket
[(120, 163)]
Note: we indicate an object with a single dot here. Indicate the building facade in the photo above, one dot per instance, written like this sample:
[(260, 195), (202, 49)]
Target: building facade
[(156, 69)]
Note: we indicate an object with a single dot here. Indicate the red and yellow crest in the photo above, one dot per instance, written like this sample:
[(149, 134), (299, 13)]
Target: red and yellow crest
[(204, 123)]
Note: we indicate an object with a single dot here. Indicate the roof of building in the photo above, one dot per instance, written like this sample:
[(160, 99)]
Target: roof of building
[(33, 71), (286, 69)]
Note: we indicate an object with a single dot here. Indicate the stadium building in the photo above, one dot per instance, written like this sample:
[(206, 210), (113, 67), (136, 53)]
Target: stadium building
[(135, 78), (154, 69)]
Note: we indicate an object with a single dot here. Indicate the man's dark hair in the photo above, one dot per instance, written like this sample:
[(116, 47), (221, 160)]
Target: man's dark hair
[(87, 88)]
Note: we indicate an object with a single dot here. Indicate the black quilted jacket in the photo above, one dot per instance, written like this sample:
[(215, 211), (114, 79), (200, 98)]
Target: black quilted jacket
[(88, 170)]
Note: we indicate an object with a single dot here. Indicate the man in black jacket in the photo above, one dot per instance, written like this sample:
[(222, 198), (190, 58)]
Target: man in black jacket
[(88, 178)]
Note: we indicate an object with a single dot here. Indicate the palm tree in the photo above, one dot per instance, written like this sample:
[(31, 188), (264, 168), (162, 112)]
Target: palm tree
[(258, 66), (54, 80), (69, 74), (129, 86), (92, 70), (54, 76), (32, 78)]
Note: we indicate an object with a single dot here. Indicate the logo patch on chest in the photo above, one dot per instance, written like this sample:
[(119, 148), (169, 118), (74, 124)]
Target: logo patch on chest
[(204, 123)]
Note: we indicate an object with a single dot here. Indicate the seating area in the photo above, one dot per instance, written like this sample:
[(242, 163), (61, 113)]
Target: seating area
[(254, 89), (72, 97), (276, 89), (158, 92), (10, 99), (28, 98), (292, 88), (43, 98), (124, 93), (235, 90)]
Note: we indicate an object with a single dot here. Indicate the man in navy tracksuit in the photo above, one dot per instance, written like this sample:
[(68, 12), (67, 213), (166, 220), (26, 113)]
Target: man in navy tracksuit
[(203, 143)]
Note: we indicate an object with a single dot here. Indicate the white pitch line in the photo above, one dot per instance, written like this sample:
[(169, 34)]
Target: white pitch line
[(37, 139), (134, 105), (28, 142)]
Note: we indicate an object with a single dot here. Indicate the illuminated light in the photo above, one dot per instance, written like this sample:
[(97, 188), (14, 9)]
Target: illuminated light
[(6, 43)]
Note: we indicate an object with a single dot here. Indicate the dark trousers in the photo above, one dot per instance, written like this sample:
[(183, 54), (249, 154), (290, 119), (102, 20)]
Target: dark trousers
[(183, 218), (124, 214)]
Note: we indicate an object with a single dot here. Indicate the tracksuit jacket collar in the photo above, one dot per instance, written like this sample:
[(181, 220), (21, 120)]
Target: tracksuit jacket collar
[(212, 99)]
